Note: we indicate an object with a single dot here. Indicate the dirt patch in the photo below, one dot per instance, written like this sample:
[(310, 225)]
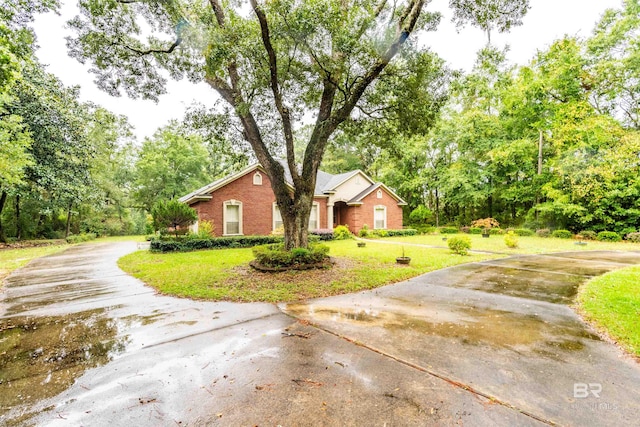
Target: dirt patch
[(31, 244)]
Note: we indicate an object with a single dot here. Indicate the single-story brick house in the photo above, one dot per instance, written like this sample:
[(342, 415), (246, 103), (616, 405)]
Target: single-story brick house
[(244, 203)]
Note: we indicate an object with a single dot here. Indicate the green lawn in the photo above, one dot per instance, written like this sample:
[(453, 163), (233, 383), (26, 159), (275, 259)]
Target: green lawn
[(12, 259), (527, 245), (224, 274), (612, 303)]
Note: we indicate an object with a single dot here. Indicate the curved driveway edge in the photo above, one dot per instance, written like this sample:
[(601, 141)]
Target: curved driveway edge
[(492, 343)]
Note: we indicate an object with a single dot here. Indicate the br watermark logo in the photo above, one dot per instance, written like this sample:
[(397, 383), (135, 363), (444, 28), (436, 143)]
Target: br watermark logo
[(590, 390), (584, 390)]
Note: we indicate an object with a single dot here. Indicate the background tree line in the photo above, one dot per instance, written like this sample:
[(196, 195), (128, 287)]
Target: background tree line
[(554, 143)]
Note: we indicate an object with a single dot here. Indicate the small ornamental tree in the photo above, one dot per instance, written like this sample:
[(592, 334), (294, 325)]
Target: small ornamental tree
[(485, 223), (172, 214)]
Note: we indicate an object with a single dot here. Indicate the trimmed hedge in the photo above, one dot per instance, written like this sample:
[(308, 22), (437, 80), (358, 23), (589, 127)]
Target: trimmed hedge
[(324, 234), (608, 236), (274, 255), (448, 230), (496, 231), (588, 235), (475, 230), (523, 232), (394, 233), (562, 234), (185, 245)]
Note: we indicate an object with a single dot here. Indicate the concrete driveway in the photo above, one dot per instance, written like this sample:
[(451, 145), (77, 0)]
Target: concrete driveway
[(493, 343)]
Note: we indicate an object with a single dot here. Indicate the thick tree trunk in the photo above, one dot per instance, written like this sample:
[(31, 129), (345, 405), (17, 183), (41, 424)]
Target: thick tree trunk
[(18, 225), (3, 199)]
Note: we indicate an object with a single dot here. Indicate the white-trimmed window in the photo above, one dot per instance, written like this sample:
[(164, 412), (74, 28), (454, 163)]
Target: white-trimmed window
[(314, 217), (379, 194), (277, 217), (379, 217), (232, 217), (257, 178)]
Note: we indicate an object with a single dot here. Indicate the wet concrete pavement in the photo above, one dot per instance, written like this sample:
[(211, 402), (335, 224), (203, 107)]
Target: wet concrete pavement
[(493, 343)]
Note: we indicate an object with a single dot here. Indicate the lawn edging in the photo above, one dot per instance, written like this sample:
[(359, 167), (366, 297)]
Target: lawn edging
[(611, 304)]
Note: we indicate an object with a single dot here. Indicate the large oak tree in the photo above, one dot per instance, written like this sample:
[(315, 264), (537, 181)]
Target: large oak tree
[(276, 63)]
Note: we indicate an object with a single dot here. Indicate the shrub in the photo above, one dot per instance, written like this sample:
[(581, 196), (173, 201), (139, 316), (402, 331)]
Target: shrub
[(426, 229), (496, 231), (608, 236), (205, 231), (511, 239), (523, 232), (323, 234), (364, 231), (274, 255), (402, 232), (475, 230), (172, 214), (543, 232), (381, 233), (459, 244), (79, 238), (342, 232), (588, 235), (448, 230), (185, 245), (562, 234), (485, 223), (420, 215), (465, 229), (633, 237)]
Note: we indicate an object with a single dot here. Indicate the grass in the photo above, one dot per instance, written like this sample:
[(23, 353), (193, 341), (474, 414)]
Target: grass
[(526, 245), (612, 303), (12, 259), (223, 274)]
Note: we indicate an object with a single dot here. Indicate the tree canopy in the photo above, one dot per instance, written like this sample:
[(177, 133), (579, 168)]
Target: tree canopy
[(272, 65)]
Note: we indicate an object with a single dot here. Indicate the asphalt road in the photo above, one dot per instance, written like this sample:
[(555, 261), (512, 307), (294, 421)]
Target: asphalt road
[(492, 343)]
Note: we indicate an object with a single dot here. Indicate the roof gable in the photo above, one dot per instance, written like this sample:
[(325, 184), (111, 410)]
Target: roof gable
[(358, 198), (326, 184)]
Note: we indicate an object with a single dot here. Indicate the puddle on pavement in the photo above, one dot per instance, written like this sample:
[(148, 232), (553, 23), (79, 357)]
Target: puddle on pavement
[(42, 356), (63, 293), (472, 326), (534, 285), (555, 264)]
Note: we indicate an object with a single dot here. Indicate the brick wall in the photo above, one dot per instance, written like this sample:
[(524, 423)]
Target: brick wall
[(366, 215), (257, 206)]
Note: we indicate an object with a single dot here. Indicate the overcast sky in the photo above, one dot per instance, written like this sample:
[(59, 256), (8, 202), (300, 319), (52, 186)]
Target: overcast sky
[(546, 21)]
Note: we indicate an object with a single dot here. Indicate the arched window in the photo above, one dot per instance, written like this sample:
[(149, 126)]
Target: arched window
[(232, 217), (257, 178), (379, 194)]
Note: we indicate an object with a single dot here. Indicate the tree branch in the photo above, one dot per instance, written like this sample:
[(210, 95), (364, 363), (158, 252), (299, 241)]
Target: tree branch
[(277, 94), (149, 51), (233, 95)]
